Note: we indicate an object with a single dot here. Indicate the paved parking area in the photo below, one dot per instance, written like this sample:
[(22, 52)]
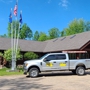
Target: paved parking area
[(49, 81)]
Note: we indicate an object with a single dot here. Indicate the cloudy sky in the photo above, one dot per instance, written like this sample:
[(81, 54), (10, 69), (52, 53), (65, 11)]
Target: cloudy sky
[(42, 15)]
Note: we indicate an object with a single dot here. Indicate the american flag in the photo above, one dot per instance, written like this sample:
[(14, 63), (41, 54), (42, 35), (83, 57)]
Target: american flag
[(15, 9)]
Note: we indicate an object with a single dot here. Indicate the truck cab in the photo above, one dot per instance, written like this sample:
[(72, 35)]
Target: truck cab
[(55, 61)]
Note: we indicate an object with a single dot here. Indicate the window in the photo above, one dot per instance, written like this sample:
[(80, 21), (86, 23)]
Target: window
[(72, 56), (51, 57), (84, 56), (56, 57), (79, 55), (61, 56)]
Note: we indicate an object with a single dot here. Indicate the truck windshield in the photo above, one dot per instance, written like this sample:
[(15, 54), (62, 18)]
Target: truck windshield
[(43, 56)]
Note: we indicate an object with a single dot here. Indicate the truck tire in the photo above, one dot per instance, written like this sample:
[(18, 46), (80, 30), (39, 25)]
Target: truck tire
[(33, 72), (74, 71), (80, 71)]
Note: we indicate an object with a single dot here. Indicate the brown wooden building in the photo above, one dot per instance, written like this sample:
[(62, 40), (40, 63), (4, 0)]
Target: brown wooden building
[(76, 42)]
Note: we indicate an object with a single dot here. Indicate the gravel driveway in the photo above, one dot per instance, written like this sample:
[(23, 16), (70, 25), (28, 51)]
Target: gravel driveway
[(50, 81)]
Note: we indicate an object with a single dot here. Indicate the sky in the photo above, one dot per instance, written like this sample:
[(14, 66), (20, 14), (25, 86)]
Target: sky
[(42, 15)]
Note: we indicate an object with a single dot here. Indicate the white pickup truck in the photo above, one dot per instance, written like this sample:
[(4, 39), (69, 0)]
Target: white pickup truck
[(56, 62)]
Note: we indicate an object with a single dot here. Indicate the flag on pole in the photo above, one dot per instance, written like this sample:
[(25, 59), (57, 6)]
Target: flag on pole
[(15, 9), (20, 20), (10, 17)]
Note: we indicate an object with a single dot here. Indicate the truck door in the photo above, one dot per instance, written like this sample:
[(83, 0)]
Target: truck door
[(49, 63), (62, 62)]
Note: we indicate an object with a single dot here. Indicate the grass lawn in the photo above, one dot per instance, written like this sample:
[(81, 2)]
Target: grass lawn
[(4, 72)]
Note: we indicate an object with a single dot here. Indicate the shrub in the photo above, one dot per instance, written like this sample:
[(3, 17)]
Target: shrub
[(8, 54), (30, 55)]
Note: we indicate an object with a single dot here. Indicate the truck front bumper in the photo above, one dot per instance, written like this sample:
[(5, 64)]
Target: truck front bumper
[(25, 72), (25, 69)]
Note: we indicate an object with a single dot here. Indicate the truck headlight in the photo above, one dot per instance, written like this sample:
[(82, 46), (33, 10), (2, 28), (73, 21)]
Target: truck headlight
[(26, 64)]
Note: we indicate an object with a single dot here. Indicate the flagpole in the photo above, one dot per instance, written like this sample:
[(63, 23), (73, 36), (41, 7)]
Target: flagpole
[(14, 53), (18, 35), (15, 35), (12, 68), (17, 38)]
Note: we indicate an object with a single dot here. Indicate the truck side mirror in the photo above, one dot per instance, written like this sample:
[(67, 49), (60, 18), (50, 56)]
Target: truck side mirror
[(44, 59)]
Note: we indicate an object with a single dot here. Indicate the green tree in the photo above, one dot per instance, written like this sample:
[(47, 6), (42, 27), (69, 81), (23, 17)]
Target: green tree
[(4, 36), (62, 33), (54, 33), (1, 54), (87, 26), (26, 32), (30, 55), (8, 55), (76, 26), (14, 26), (36, 36), (43, 37)]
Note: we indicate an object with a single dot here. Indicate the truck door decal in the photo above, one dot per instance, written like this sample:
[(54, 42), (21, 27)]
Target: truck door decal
[(62, 64), (49, 64)]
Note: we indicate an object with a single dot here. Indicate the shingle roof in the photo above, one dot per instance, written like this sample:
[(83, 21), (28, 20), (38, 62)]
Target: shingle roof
[(68, 43), (58, 44), (25, 45), (28, 45)]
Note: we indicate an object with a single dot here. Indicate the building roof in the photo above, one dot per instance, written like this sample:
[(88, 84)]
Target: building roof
[(25, 45), (72, 42)]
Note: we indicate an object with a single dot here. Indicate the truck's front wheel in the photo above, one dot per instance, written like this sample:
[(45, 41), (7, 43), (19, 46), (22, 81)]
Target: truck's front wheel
[(80, 71), (33, 72)]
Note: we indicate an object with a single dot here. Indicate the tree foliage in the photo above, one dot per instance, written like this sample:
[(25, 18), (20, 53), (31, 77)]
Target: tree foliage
[(1, 54), (30, 55), (87, 26), (76, 26), (5, 36), (8, 54), (43, 37), (36, 36), (54, 33), (24, 33), (15, 27)]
